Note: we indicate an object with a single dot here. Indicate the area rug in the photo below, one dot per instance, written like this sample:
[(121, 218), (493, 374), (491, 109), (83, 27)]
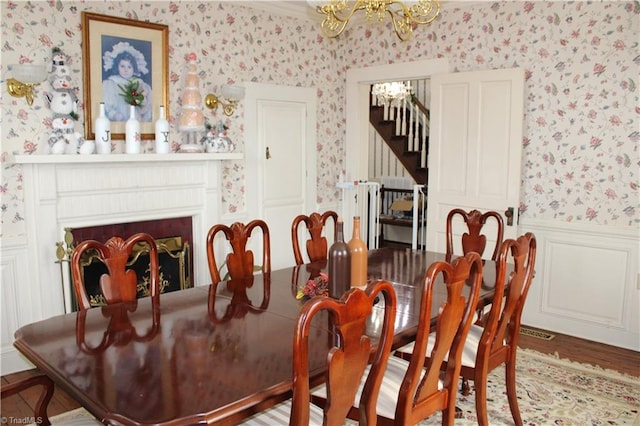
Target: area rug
[(551, 391)]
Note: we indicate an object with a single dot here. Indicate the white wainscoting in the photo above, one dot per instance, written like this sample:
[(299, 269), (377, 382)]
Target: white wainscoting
[(17, 302), (586, 282)]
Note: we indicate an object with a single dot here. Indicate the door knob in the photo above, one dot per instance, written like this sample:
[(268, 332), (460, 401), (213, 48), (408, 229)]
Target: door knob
[(509, 214), (267, 154)]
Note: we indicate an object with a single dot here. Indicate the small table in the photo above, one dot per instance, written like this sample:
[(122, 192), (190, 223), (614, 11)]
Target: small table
[(212, 354)]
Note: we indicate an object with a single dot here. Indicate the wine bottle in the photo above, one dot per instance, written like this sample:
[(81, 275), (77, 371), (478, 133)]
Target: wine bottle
[(103, 132), (132, 132), (339, 264), (162, 133), (359, 252)]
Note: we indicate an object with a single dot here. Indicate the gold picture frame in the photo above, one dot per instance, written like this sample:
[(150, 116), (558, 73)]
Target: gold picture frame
[(104, 39)]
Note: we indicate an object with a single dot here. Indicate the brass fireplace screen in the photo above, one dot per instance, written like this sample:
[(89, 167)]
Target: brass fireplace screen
[(173, 260)]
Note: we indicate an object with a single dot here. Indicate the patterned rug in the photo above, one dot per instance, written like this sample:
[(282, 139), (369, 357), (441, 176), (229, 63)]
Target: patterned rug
[(551, 391)]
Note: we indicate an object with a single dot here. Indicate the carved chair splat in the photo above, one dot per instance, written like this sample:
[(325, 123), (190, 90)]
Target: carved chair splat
[(317, 244), (474, 240), (120, 283), (240, 261)]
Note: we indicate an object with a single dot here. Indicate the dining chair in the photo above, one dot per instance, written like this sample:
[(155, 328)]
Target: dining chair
[(44, 398), (24, 388), (317, 245), (349, 358), (495, 342), (412, 389), (474, 240), (120, 283), (240, 261)]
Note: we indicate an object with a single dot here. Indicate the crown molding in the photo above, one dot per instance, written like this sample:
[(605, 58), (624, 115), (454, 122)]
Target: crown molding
[(297, 9)]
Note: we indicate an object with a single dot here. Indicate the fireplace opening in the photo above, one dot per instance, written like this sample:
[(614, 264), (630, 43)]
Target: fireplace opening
[(173, 239)]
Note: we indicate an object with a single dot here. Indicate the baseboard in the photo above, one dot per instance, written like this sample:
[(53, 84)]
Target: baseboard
[(12, 362)]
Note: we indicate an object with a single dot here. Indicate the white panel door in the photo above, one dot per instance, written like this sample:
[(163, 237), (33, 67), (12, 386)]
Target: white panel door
[(283, 161), (475, 148)]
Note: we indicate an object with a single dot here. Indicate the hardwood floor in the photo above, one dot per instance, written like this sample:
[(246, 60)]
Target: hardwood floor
[(21, 406), (586, 352), (580, 350)]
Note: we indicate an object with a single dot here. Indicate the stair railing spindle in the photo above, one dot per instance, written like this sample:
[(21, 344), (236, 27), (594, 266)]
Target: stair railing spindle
[(406, 126), (415, 143), (425, 136), (411, 123), (397, 119)]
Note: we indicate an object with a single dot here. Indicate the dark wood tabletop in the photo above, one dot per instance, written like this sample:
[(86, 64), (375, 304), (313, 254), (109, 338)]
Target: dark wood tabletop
[(209, 354)]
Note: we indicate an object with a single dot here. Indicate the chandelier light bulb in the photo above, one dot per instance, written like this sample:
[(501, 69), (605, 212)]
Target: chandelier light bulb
[(391, 93)]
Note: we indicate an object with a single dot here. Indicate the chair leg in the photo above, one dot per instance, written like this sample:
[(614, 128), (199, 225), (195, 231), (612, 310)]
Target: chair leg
[(451, 411), (511, 390), (449, 416), (480, 384)]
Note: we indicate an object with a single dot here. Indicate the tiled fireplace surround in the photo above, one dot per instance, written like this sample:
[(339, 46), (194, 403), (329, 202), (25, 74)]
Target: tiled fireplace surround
[(79, 192)]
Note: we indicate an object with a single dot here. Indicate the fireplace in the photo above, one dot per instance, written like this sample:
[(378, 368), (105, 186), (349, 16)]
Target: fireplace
[(84, 191), (174, 240)]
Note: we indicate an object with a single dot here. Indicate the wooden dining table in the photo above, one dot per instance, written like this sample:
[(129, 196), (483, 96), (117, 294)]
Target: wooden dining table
[(212, 354)]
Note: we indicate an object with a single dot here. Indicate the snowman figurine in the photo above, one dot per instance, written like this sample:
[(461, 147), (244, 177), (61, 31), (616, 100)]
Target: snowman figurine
[(62, 101), (61, 135), (64, 105), (58, 63), (216, 140)]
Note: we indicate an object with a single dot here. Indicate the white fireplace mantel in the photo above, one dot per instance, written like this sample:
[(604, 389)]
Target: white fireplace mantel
[(121, 158), (90, 190)]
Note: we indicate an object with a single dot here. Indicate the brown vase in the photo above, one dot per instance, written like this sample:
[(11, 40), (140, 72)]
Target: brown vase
[(359, 252), (339, 264)]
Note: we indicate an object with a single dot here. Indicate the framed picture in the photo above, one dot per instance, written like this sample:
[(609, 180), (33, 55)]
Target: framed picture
[(124, 56)]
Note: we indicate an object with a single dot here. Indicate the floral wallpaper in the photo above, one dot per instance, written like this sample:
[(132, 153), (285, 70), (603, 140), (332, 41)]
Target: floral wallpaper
[(582, 63)]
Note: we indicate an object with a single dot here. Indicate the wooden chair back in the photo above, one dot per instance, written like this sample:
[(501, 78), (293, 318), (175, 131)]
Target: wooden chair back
[(498, 340), (348, 358), (474, 240), (316, 245), (120, 283), (502, 326), (240, 262), (24, 385), (421, 397)]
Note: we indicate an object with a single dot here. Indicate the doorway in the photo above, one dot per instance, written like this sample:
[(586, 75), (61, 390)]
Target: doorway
[(475, 147), (359, 81)]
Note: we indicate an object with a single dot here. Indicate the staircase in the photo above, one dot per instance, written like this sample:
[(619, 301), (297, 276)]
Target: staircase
[(405, 130)]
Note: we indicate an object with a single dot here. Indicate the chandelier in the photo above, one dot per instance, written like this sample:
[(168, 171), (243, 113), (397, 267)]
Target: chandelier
[(404, 17), (391, 94)]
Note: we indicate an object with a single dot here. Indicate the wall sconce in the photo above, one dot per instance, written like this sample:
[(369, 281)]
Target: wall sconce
[(25, 77), (228, 99)]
